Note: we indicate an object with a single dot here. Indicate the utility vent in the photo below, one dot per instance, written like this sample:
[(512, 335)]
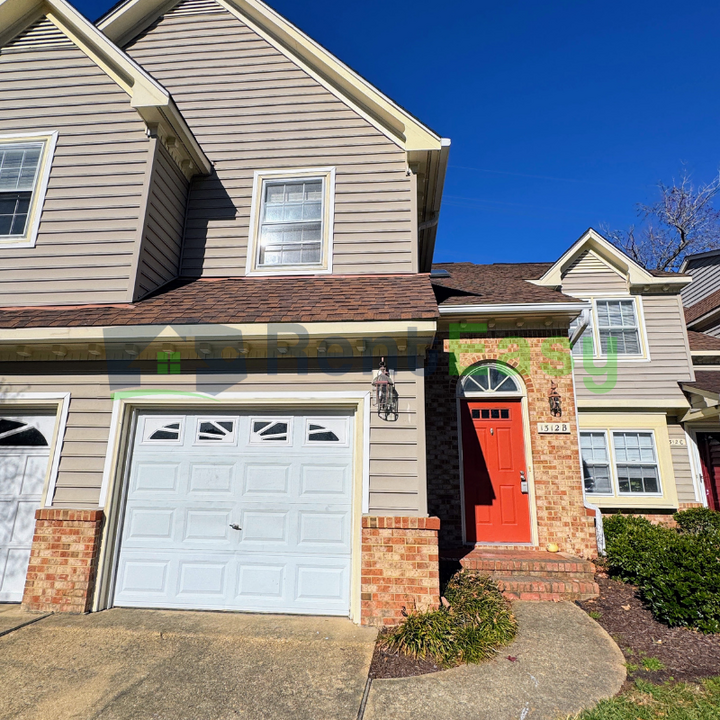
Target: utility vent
[(40, 34), (197, 7), (588, 263)]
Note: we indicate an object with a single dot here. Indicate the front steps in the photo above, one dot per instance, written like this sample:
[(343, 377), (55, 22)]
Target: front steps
[(529, 574)]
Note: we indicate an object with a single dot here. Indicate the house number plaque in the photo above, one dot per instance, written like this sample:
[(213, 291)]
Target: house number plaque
[(678, 441), (553, 428)]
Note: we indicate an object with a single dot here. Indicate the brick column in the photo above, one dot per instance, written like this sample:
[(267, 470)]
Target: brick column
[(63, 560), (399, 567)]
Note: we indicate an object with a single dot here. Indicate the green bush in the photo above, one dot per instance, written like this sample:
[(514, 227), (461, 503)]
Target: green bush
[(676, 571), (477, 621), (698, 520)]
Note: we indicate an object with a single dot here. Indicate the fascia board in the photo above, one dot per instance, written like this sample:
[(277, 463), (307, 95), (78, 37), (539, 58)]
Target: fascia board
[(245, 331), (514, 309), (390, 118)]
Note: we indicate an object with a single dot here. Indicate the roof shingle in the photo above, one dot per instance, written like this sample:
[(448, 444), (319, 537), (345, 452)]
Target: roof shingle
[(330, 298), (706, 305), (700, 341)]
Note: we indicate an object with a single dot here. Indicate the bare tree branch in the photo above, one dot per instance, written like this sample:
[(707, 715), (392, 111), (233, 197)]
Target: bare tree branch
[(682, 221)]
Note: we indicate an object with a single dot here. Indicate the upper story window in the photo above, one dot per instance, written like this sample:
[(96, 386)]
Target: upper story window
[(612, 320), (291, 230), (24, 171)]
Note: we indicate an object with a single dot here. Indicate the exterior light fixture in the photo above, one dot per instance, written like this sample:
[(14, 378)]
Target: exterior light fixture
[(385, 396), (555, 401)]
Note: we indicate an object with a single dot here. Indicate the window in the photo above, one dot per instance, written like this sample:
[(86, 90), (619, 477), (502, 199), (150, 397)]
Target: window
[(585, 344), (634, 463), (24, 170), (20, 434), (163, 430), (596, 462), (215, 432), (270, 430), (490, 379), (292, 223), (326, 431), (637, 469), (617, 319)]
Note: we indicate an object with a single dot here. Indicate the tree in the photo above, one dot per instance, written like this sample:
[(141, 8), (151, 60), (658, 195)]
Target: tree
[(682, 222)]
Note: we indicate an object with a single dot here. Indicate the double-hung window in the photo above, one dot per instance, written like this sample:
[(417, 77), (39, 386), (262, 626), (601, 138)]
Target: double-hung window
[(617, 324), (291, 229), (628, 467), (24, 167), (585, 345)]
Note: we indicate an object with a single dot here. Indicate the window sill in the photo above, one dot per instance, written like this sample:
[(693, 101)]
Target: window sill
[(289, 270)]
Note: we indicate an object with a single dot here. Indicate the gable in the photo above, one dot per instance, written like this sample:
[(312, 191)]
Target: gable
[(589, 274), (41, 34)]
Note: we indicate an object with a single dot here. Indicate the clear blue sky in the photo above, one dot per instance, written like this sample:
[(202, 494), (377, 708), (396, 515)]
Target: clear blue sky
[(562, 115)]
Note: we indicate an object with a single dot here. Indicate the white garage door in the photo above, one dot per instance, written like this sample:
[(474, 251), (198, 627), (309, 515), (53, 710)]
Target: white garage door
[(239, 512), (24, 454)]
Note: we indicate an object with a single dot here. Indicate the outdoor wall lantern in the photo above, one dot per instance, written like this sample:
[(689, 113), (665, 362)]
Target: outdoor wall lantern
[(385, 396), (555, 400)]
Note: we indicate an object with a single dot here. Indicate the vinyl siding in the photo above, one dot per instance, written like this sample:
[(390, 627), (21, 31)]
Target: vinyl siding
[(90, 217), (251, 108), (681, 463), (588, 271), (705, 274), (397, 469), (161, 249)]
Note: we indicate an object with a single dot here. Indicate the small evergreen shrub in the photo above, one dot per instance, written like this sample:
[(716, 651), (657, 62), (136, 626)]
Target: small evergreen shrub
[(697, 520), (676, 570), (477, 622)]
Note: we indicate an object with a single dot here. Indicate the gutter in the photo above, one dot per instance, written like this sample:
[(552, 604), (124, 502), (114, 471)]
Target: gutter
[(507, 309)]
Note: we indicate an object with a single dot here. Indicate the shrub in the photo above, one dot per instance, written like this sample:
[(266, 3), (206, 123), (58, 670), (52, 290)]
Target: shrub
[(477, 621), (697, 520), (676, 571)]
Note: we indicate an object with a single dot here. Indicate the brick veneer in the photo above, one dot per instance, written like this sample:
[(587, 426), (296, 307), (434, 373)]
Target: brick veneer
[(63, 560), (561, 515), (659, 518), (399, 564)]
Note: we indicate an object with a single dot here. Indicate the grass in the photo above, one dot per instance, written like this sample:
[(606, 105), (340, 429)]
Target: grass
[(651, 664), (477, 622), (595, 615), (671, 701)]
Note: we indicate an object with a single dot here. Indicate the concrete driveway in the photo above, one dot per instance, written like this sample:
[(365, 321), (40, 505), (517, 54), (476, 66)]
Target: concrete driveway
[(170, 665)]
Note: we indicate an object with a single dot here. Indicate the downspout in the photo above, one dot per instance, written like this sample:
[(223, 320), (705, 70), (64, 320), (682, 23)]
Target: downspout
[(599, 531)]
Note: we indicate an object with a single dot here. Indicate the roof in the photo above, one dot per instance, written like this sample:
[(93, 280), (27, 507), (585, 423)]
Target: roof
[(708, 380), (192, 301), (497, 284), (705, 306), (689, 259), (700, 341)]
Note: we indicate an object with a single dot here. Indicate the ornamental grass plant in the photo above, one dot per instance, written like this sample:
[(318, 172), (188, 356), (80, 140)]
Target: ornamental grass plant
[(476, 621)]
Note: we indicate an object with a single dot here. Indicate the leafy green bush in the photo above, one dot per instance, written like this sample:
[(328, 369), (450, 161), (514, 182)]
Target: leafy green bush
[(697, 520), (477, 621), (677, 571)]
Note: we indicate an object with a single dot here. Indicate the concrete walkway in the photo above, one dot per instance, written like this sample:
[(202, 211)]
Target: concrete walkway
[(163, 665), (13, 617), (564, 662)]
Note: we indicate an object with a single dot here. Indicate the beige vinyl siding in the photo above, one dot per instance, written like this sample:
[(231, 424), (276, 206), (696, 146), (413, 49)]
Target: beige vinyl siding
[(161, 250), (251, 108), (90, 217), (669, 364), (681, 463), (705, 274), (397, 469), (589, 272)]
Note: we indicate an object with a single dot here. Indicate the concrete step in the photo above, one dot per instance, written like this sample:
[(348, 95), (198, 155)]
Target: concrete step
[(519, 587)]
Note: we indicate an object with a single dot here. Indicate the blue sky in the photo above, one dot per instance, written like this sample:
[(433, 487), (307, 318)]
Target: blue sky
[(562, 115)]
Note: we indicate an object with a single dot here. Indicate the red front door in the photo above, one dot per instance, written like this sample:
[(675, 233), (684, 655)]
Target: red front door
[(709, 447), (496, 500)]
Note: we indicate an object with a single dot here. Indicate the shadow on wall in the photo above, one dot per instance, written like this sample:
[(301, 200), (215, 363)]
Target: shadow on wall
[(208, 203)]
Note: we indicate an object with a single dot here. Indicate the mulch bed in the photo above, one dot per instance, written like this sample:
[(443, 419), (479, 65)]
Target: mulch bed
[(394, 664), (687, 655)]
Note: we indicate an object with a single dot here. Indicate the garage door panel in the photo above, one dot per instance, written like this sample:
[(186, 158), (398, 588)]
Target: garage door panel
[(12, 471), (13, 567), (291, 500)]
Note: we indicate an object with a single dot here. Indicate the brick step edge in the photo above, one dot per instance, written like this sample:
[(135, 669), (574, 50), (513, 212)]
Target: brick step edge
[(512, 567), (537, 588)]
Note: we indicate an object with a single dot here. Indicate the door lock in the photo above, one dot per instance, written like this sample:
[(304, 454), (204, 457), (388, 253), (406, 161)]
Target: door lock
[(523, 483), (235, 527)]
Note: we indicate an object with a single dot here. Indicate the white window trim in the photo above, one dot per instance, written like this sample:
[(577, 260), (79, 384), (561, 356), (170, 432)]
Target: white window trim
[(39, 191), (319, 419), (325, 268), (609, 433), (644, 355), (271, 419), (197, 441)]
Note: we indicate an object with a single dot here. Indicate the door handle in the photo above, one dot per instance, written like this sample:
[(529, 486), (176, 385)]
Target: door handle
[(235, 527), (523, 483)]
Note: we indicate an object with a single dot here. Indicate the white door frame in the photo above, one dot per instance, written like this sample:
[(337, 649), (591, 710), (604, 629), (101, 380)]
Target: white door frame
[(114, 482)]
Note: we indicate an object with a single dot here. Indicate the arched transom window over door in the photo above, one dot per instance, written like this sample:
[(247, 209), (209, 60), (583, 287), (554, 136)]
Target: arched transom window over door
[(488, 380)]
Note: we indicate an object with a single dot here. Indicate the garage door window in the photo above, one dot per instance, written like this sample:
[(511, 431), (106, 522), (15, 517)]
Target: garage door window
[(20, 434), (326, 431), (270, 430), (163, 430), (215, 432)]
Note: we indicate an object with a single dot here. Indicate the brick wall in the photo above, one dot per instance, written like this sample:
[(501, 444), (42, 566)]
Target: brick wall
[(63, 560), (561, 514), (399, 564), (657, 518)]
